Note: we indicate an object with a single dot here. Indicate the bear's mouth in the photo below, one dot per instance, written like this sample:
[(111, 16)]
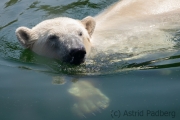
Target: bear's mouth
[(77, 56)]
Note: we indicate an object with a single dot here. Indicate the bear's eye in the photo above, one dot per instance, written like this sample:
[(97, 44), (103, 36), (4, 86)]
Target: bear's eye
[(52, 37), (80, 33)]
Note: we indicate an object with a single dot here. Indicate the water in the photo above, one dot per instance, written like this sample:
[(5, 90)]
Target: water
[(37, 88)]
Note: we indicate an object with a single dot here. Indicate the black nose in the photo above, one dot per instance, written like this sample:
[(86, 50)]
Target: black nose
[(77, 55)]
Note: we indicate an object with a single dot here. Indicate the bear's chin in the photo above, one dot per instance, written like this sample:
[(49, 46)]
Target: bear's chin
[(73, 60), (77, 62)]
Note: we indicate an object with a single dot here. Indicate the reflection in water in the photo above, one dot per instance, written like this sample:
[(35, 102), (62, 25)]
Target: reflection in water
[(89, 99)]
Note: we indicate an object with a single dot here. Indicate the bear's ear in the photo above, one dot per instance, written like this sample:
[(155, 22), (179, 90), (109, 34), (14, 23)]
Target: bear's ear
[(89, 24), (24, 36)]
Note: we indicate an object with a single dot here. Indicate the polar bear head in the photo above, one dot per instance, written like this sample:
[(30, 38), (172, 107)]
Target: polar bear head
[(62, 38)]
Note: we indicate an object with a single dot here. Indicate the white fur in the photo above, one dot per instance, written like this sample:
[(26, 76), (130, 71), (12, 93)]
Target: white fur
[(136, 26)]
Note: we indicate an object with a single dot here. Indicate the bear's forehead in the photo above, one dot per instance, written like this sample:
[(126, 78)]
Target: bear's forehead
[(59, 23)]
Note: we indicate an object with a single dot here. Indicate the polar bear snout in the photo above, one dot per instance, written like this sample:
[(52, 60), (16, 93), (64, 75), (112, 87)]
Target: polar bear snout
[(77, 55)]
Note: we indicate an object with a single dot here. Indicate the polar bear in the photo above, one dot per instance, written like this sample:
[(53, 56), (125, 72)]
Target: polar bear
[(64, 38), (128, 26)]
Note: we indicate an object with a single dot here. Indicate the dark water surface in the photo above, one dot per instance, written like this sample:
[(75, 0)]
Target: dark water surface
[(146, 89)]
